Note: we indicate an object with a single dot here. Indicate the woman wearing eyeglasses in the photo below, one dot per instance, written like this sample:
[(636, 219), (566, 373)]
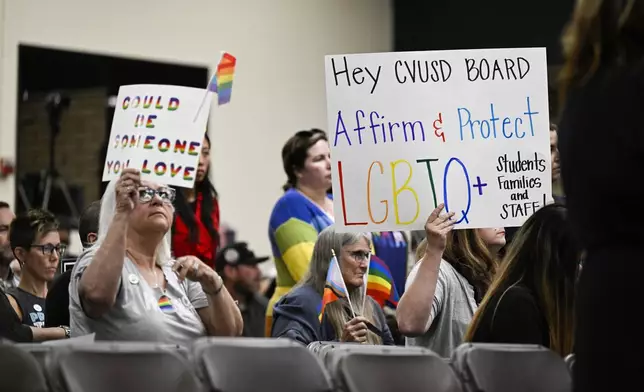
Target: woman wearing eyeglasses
[(36, 245), (127, 287), (298, 315)]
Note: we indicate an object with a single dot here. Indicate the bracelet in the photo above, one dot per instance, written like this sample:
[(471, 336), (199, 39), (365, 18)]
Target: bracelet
[(217, 291), (68, 332)]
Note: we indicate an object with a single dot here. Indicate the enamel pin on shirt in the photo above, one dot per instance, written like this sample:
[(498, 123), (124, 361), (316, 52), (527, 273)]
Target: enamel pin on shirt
[(133, 279)]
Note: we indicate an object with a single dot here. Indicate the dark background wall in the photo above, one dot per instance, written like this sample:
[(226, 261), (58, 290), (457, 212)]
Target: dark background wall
[(484, 24), (87, 80), (478, 24)]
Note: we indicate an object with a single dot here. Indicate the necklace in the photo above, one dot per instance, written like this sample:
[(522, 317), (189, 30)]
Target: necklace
[(156, 280)]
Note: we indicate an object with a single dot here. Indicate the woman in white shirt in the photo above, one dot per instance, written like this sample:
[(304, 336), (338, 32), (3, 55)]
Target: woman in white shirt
[(127, 287)]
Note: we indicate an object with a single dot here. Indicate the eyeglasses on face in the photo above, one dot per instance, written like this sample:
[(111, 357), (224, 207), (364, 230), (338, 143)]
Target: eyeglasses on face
[(166, 195), (360, 256), (48, 249)]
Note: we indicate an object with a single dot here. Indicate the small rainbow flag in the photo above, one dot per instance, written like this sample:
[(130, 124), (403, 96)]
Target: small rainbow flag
[(334, 288), (222, 81), (380, 283), (165, 305)]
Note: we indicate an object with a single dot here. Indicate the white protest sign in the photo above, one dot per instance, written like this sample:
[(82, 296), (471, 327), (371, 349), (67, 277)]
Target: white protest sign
[(154, 130), (411, 130)]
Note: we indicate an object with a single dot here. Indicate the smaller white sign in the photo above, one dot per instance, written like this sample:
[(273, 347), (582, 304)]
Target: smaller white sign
[(155, 131)]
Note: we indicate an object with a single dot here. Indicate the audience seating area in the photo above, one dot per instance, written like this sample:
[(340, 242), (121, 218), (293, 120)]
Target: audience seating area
[(247, 364)]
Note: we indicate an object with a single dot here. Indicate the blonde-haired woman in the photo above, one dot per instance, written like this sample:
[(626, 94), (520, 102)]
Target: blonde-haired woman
[(296, 315), (127, 287), (445, 287), (601, 148)]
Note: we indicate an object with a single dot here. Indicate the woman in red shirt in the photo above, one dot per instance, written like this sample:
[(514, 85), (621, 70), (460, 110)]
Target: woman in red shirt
[(196, 223)]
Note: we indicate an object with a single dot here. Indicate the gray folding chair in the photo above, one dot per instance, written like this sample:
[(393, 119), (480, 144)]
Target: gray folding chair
[(122, 367), (253, 364), (20, 371), (384, 369), (37, 350), (510, 368)]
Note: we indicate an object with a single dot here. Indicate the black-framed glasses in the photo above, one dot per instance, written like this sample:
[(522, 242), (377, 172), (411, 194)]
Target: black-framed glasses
[(166, 195), (48, 249)]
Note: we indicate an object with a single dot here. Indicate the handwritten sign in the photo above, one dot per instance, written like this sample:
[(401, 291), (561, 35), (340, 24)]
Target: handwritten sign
[(408, 131), (155, 131)]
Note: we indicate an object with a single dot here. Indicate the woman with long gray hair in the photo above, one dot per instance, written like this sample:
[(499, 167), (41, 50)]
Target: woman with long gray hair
[(128, 287), (296, 315)]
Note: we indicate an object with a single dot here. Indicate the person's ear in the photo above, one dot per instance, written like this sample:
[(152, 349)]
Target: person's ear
[(20, 254), (91, 238)]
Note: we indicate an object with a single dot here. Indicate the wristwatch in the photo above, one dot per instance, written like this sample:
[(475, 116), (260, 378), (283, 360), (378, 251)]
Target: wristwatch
[(68, 332)]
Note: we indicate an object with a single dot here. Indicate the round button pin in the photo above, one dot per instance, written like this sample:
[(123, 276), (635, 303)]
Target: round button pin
[(133, 279)]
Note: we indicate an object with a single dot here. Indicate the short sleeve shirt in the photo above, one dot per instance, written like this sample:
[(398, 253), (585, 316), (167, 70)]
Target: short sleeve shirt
[(141, 313), (452, 310)]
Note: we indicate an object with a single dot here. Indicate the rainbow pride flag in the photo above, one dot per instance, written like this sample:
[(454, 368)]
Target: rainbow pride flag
[(222, 81), (380, 283), (334, 288)]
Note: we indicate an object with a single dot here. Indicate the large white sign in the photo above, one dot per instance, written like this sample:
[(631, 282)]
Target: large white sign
[(411, 130), (155, 130)]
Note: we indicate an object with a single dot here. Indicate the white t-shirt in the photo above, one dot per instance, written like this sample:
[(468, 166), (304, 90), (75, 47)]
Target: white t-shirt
[(140, 313)]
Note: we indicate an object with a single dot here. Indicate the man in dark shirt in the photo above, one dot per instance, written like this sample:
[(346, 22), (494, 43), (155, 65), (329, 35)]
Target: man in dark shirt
[(237, 265), (57, 302)]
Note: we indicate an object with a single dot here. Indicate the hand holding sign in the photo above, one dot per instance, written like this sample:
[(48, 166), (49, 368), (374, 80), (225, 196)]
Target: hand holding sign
[(437, 227), (127, 188)]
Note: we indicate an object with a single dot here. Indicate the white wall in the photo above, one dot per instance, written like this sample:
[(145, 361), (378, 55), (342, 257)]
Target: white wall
[(279, 83)]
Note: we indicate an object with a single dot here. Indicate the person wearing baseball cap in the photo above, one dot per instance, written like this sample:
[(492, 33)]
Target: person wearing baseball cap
[(238, 266)]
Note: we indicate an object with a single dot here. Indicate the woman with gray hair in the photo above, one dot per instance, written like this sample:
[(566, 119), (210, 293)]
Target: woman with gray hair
[(296, 315), (127, 287)]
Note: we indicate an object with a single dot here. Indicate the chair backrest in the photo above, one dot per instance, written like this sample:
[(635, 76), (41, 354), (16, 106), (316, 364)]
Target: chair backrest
[(122, 367), (509, 368), (394, 370), (37, 350), (21, 371), (249, 364), (336, 352)]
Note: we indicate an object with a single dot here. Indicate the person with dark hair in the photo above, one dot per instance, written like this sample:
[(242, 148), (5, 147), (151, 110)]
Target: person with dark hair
[(238, 267), (57, 301), (531, 299), (196, 225), (6, 255), (601, 145), (11, 326), (36, 245), (305, 209)]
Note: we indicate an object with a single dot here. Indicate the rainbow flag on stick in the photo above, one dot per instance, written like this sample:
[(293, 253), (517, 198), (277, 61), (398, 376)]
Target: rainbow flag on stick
[(221, 82), (380, 283), (334, 288)]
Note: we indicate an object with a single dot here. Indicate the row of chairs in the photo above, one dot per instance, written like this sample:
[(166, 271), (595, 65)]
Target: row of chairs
[(473, 368), (248, 364)]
